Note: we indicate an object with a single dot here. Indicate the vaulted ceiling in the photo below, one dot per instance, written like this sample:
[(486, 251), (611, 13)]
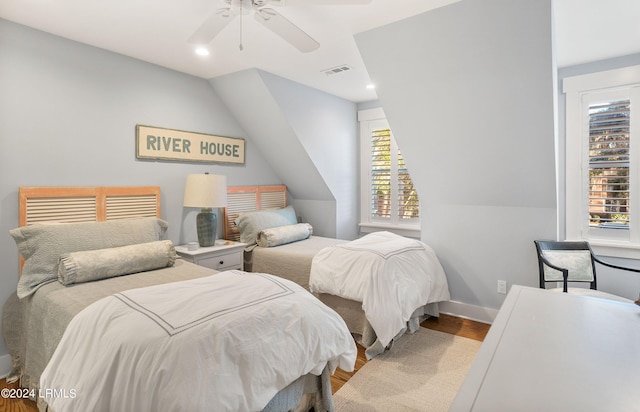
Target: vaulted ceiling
[(158, 31)]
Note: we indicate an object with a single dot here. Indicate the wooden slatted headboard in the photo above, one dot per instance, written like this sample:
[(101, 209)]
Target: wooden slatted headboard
[(242, 199), (86, 204)]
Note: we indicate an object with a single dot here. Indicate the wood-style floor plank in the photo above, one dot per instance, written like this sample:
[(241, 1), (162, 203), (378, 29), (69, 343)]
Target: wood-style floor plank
[(15, 405), (445, 323), (458, 326)]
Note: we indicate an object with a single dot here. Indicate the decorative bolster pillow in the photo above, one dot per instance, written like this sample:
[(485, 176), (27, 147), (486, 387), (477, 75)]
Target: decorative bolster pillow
[(284, 234), (89, 265), (41, 245), (251, 223)]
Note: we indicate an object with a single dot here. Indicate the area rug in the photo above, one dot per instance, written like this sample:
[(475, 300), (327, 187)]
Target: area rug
[(421, 372)]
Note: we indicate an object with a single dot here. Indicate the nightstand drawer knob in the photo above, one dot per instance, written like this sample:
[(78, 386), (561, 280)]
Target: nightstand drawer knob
[(222, 262)]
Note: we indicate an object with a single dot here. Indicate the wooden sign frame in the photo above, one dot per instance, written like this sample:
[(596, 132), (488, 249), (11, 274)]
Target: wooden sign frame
[(158, 143)]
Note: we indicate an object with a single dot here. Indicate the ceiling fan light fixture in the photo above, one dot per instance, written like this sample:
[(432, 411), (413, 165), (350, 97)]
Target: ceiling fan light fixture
[(265, 15)]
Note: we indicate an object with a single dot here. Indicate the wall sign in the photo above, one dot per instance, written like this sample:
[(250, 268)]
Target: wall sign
[(167, 144)]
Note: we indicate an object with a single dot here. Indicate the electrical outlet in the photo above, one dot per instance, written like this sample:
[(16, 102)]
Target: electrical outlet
[(502, 287)]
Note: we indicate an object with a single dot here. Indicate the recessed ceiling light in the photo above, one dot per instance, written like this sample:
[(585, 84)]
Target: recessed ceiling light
[(371, 86), (202, 51)]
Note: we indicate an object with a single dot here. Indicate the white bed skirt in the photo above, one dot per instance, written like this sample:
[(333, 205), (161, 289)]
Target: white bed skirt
[(353, 315)]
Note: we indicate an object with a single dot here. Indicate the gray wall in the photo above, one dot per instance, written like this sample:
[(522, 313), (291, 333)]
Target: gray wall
[(469, 92), (310, 139), (327, 128), (67, 118)]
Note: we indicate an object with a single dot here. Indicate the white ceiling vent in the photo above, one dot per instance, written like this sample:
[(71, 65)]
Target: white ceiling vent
[(336, 70)]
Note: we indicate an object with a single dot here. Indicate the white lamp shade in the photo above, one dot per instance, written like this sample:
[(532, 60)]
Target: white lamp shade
[(205, 191)]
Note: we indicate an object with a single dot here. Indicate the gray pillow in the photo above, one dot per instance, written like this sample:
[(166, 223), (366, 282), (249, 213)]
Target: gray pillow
[(89, 265), (251, 223), (282, 235), (41, 245)]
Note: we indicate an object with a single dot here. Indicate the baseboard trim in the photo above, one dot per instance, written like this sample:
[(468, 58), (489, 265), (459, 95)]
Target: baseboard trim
[(466, 311), (5, 366)]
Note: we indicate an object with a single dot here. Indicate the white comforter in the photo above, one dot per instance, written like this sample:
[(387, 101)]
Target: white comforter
[(227, 342), (391, 275)]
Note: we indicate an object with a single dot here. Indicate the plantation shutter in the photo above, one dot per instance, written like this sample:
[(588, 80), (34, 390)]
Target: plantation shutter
[(392, 191), (408, 206), (381, 173), (609, 132)]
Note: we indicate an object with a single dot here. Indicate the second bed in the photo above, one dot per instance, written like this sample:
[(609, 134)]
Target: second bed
[(421, 275)]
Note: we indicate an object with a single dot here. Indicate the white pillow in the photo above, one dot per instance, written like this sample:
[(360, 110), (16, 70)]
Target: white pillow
[(578, 262)]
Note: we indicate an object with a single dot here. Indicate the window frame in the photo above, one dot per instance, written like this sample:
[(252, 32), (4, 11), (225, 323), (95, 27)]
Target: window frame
[(581, 91), (368, 120)]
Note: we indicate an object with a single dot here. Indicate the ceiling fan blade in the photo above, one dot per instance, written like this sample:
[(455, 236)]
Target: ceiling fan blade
[(212, 26), (317, 2), (284, 28)]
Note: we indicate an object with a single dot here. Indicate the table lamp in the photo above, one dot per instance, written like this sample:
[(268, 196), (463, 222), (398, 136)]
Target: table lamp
[(206, 192)]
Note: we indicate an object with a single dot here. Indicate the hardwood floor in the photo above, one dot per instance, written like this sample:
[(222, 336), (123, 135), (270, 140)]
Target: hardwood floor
[(445, 323), (15, 405), (458, 326)]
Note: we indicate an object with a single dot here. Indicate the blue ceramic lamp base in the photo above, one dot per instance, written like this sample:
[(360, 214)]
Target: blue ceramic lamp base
[(207, 227)]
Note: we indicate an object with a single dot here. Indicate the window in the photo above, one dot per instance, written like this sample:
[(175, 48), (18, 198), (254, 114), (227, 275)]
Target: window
[(609, 125), (388, 198), (603, 160)]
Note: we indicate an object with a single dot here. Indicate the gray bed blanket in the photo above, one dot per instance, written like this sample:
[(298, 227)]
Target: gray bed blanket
[(291, 261), (34, 325)]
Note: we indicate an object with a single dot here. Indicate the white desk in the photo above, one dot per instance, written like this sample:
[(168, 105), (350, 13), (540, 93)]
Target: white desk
[(550, 351)]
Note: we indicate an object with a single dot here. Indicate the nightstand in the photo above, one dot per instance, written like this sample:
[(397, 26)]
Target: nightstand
[(225, 255)]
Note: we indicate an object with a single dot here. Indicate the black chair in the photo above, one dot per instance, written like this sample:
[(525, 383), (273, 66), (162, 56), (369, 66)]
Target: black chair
[(572, 261)]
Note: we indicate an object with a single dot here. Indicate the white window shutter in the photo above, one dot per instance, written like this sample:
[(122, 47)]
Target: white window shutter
[(392, 196), (609, 155)]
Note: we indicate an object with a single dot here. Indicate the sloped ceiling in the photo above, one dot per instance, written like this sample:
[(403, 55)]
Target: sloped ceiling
[(156, 31), (308, 137), (252, 104), (326, 127)]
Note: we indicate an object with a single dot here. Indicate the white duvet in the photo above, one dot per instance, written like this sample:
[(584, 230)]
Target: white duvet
[(227, 342), (391, 275)]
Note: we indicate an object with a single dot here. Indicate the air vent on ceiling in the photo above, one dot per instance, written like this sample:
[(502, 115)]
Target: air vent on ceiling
[(336, 70)]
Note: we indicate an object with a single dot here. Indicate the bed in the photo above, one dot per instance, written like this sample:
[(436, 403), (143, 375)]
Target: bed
[(169, 335), (260, 217)]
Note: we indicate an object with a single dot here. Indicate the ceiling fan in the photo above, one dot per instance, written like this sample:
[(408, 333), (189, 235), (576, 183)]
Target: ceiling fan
[(265, 15)]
